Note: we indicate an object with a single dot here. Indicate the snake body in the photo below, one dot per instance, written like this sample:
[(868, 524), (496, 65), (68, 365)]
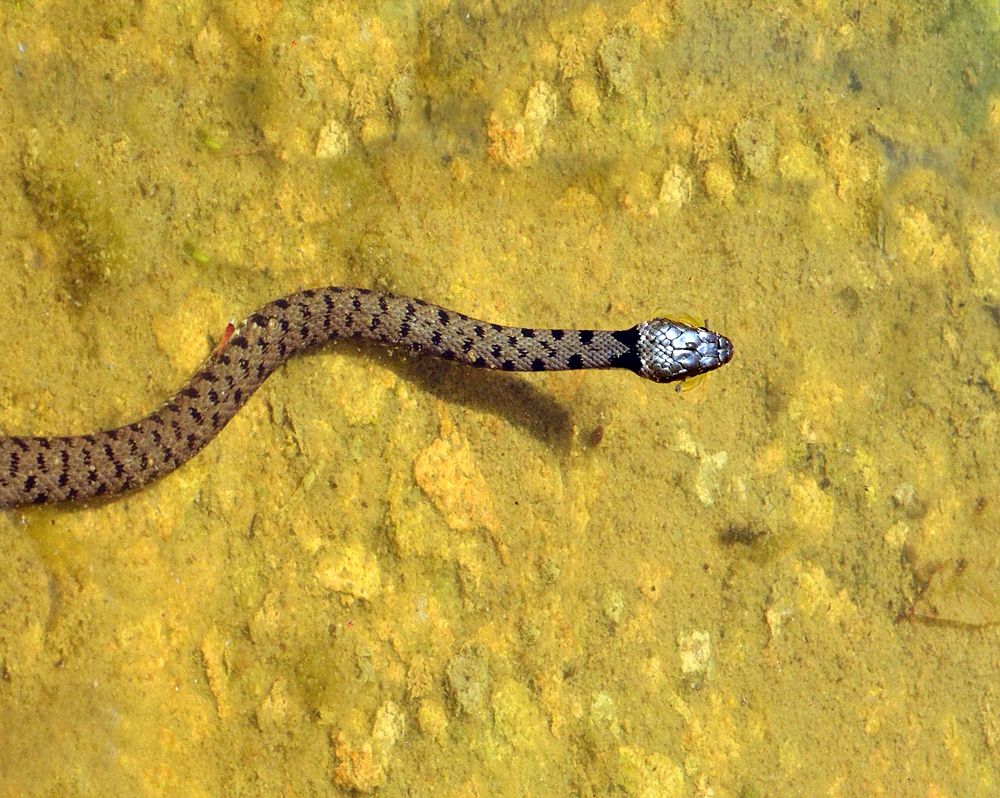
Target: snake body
[(37, 470)]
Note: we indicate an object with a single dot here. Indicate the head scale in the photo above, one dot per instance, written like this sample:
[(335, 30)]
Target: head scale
[(671, 350)]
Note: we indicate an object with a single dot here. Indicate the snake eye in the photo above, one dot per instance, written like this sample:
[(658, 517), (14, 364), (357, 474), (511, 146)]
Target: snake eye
[(688, 358)]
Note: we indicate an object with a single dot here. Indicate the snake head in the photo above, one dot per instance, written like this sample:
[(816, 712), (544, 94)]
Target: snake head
[(671, 350)]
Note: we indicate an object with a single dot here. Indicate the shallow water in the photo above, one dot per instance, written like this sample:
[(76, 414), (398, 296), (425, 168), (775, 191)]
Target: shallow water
[(402, 577)]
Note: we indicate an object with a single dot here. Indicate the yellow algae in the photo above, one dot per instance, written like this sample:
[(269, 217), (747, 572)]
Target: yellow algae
[(540, 109), (706, 140), (469, 680), (923, 244), (333, 140), (708, 481), (208, 45), (364, 98), (755, 142), (518, 143), (993, 113), (712, 730), (695, 651), (708, 478), (939, 528), (572, 57), (869, 472), (962, 593), (829, 212), (414, 524), (263, 626), (854, 165), (603, 724), (771, 458), (402, 98), (654, 672), (388, 727), (167, 168), (351, 571), (719, 182), (509, 144), (989, 719), (958, 571), (358, 767), (898, 535), (649, 774), (374, 132), (983, 236), (650, 580), (432, 720), (816, 407), (810, 508), (448, 473), (675, 188), (653, 19), (460, 170), (991, 372), (275, 710), (639, 196), (799, 163), (617, 57), (361, 390), (815, 594), (518, 718), (213, 650)]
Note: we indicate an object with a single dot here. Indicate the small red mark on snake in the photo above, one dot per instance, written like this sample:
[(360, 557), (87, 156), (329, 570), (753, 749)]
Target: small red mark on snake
[(230, 329)]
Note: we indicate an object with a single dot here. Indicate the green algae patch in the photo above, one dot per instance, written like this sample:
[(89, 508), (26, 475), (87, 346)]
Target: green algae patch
[(75, 207)]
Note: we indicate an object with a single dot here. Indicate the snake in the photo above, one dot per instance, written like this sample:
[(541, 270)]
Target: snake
[(44, 470)]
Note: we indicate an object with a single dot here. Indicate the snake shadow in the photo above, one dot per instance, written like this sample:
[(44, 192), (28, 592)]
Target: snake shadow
[(509, 396)]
